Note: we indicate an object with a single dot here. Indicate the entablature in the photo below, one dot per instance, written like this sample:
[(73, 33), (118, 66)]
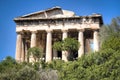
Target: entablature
[(58, 21)]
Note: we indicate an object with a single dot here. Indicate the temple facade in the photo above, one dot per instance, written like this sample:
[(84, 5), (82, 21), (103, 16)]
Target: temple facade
[(45, 27)]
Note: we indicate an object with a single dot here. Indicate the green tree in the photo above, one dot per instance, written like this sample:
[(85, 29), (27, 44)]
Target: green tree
[(8, 62), (112, 29), (113, 42), (68, 44), (110, 35), (36, 52), (27, 73)]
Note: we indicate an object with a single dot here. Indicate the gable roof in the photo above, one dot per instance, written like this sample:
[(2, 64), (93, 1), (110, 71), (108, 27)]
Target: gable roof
[(54, 12)]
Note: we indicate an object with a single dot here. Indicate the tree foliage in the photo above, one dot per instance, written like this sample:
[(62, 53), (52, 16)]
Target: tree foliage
[(110, 35), (58, 46), (96, 66), (68, 44), (36, 52), (113, 29), (112, 42), (25, 71)]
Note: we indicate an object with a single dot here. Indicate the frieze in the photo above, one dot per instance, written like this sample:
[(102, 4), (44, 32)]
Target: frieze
[(84, 20)]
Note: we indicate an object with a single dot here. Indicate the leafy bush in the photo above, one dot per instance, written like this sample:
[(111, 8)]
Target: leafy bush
[(112, 42), (103, 65)]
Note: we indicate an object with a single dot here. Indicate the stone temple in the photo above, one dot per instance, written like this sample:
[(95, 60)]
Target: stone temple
[(45, 27)]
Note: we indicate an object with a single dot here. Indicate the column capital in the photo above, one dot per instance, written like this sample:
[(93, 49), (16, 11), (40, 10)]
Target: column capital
[(33, 31), (64, 30), (81, 30), (49, 30)]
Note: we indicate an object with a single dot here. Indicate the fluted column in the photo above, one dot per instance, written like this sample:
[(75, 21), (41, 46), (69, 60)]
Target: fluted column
[(49, 46), (18, 46), (33, 38), (64, 53), (26, 48), (33, 44), (81, 41), (96, 40), (23, 52)]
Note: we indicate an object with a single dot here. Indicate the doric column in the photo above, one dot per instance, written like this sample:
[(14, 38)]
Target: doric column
[(33, 38), (18, 46), (33, 43), (96, 40), (26, 49), (23, 52), (64, 53), (81, 41), (49, 46)]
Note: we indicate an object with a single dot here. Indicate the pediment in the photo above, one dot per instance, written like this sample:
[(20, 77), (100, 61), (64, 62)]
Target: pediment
[(55, 12)]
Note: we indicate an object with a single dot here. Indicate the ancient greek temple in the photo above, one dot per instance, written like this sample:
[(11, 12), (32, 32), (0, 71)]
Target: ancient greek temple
[(45, 27)]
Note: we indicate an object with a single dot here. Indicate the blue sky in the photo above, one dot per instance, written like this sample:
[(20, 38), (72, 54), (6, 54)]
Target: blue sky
[(9, 9)]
